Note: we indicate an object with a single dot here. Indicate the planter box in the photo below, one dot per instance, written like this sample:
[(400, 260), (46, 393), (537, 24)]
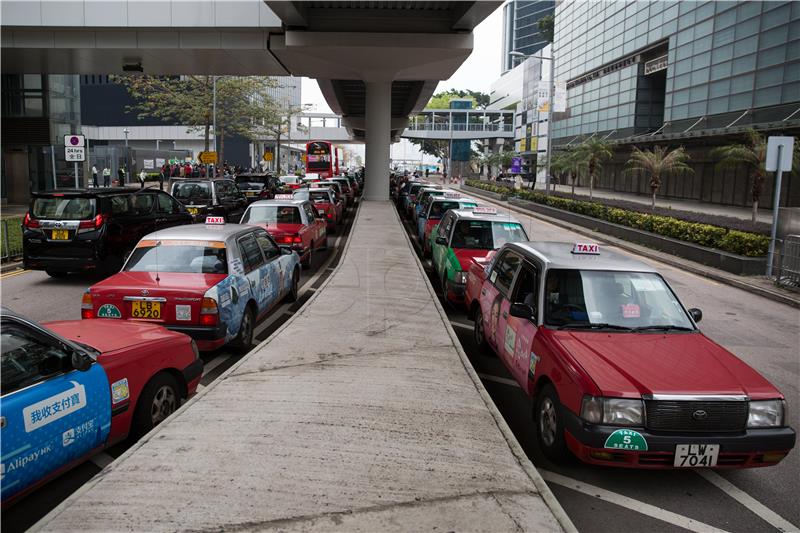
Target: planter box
[(488, 194), (733, 263)]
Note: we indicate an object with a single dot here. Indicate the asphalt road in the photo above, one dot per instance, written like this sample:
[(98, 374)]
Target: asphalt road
[(42, 298), (763, 333)]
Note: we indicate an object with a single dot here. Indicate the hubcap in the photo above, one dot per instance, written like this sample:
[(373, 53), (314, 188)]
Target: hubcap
[(164, 404), (547, 422)]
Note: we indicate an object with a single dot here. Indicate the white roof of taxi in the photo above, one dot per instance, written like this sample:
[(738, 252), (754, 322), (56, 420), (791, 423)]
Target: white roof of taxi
[(200, 232), (467, 214), (559, 255)]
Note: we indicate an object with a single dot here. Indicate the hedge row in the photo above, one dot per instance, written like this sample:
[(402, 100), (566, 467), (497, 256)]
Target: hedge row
[(734, 241)]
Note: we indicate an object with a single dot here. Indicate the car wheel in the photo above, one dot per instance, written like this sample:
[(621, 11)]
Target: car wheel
[(549, 425), (244, 340), (478, 335), (58, 274), (159, 399), (309, 260), (295, 287)]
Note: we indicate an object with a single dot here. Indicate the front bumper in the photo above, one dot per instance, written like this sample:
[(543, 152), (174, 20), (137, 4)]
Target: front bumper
[(740, 450), (454, 292), (192, 375)]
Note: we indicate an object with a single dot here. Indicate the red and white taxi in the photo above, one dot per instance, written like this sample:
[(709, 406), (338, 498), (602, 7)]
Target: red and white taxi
[(292, 222), (326, 204), (619, 373)]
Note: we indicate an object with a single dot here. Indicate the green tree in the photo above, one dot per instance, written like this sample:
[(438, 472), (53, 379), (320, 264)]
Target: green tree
[(571, 162), (595, 151), (658, 163), (546, 26)]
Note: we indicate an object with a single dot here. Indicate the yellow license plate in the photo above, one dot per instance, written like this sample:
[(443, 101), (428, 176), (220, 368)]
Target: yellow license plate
[(60, 235), (248, 193), (192, 210), (145, 309)]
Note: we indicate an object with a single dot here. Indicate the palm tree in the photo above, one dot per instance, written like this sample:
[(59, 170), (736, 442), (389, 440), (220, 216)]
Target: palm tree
[(752, 154), (595, 151), (570, 161), (657, 163)]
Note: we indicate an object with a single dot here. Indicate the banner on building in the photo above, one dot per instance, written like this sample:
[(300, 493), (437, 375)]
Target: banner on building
[(560, 97), (516, 165), (148, 163), (160, 162), (523, 145), (543, 97)]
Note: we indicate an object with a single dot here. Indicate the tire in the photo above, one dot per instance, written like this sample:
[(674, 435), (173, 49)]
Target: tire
[(478, 335), (550, 425), (308, 262), (160, 398), (244, 340), (295, 287), (57, 274), (324, 246)]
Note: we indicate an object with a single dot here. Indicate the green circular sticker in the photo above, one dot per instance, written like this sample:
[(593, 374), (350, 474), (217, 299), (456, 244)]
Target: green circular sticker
[(108, 311), (626, 439)]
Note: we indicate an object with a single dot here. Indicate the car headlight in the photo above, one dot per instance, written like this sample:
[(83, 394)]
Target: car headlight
[(765, 414), (461, 277), (612, 411)]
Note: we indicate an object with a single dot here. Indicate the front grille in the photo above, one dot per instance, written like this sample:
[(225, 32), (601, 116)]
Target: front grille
[(670, 415)]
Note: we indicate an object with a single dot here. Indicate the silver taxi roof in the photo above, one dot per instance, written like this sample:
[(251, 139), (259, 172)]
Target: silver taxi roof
[(559, 255), (467, 214), (296, 202), (200, 232)]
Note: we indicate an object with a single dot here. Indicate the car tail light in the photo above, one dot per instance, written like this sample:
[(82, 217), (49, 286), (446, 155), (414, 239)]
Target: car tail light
[(87, 308), (330, 215), (30, 222), (209, 312), (297, 239), (94, 224)]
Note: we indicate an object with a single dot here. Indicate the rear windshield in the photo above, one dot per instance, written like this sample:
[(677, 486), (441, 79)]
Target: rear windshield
[(485, 234), (438, 209), (272, 215), (289, 180), (192, 190), (64, 208), (319, 197), (199, 257), (250, 182)]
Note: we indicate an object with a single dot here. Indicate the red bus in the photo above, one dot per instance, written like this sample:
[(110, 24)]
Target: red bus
[(320, 159)]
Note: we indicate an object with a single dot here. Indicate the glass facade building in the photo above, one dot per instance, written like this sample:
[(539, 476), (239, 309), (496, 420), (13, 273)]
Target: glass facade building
[(641, 67), (520, 29)]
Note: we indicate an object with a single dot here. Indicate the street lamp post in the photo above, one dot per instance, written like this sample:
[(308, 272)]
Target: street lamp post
[(125, 132), (550, 120)]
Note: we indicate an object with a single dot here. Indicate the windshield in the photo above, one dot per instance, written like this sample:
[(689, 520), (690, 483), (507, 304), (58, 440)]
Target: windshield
[(64, 208), (438, 209), (201, 257), (272, 215), (580, 298), (192, 190), (486, 234)]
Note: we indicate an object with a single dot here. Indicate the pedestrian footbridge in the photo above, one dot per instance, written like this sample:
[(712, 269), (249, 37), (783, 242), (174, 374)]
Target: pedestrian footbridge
[(361, 413)]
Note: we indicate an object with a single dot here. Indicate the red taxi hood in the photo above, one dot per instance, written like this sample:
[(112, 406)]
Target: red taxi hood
[(110, 335), (632, 364), (466, 256), (132, 283)]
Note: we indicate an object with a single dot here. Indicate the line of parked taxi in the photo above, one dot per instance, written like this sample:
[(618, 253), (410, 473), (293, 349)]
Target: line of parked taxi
[(615, 367), (73, 388)]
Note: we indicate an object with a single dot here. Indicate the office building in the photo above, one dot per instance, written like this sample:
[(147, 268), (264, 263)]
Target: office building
[(520, 30)]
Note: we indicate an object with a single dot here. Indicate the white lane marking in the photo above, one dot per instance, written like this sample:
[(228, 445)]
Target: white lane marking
[(464, 325), (102, 459), (629, 503), (758, 508), (214, 363), (496, 379)]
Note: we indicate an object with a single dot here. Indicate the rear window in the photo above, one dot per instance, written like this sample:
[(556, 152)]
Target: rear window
[(192, 190), (250, 181), (64, 208), (272, 215), (194, 257), (319, 197), (289, 180), (486, 235), (438, 209)]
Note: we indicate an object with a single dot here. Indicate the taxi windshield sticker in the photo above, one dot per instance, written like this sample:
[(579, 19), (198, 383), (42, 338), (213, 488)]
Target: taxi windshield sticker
[(120, 391), (626, 439), (108, 311), (630, 311)]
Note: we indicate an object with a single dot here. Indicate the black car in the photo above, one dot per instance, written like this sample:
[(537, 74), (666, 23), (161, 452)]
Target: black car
[(76, 230), (203, 197), (258, 186)]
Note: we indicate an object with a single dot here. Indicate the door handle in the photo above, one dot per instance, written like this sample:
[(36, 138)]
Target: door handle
[(505, 314), (483, 292)]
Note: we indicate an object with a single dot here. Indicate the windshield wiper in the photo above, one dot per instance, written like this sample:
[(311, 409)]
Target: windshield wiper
[(663, 327), (589, 325)]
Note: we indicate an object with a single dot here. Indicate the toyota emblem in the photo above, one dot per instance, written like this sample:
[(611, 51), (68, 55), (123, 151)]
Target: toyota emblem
[(699, 415), (145, 292)]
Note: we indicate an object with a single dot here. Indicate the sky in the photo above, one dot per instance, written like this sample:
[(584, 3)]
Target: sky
[(477, 73)]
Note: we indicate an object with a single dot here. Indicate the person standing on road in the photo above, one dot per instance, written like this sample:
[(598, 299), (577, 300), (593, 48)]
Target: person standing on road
[(106, 177), (428, 171), (121, 176), (94, 176), (142, 177), (444, 178)]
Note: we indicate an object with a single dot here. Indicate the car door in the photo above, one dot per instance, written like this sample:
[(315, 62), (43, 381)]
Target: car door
[(166, 213), (142, 219), (438, 251), (273, 283), (252, 260), (519, 332), (237, 198), (51, 413), (316, 224), (495, 298)]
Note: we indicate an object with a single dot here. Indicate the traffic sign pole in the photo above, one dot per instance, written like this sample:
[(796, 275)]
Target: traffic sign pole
[(76, 176), (775, 205)]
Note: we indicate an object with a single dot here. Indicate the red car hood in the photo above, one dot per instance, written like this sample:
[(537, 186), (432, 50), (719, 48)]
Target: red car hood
[(632, 364), (466, 256), (134, 282), (110, 335)]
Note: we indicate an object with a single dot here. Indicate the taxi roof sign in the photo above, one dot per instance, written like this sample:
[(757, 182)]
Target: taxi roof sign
[(586, 248), (284, 197), (480, 209), (452, 195), (215, 220)]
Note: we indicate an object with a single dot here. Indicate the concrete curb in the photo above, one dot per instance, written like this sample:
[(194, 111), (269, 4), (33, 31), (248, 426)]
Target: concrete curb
[(8, 267), (525, 463), (663, 257), (41, 525)]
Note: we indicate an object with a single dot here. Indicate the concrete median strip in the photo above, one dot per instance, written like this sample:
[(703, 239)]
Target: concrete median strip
[(360, 413)]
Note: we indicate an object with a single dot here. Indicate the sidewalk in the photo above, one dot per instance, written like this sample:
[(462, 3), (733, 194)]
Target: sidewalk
[(362, 413)]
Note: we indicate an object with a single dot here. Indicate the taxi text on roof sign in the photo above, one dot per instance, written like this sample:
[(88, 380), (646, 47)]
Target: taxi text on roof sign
[(586, 248), (485, 210), (452, 195), (284, 197), (215, 220)]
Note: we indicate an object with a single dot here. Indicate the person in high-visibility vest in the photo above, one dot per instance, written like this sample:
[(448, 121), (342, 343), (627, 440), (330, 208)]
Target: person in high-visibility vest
[(106, 177)]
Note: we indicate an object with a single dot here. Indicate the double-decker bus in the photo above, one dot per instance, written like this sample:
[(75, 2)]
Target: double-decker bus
[(321, 158)]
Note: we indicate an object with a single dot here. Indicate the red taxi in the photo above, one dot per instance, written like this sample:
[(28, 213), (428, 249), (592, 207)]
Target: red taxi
[(619, 373), (343, 189), (292, 222), (326, 204)]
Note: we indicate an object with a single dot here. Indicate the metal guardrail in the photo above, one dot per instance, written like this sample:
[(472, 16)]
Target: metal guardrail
[(10, 238), (789, 270), (427, 126)]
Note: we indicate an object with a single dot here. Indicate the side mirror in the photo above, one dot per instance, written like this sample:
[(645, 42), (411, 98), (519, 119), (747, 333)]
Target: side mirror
[(696, 314), (522, 311), (285, 250), (441, 240), (81, 362)]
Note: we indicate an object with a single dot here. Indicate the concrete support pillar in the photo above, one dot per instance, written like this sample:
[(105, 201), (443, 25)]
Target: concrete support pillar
[(378, 137)]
